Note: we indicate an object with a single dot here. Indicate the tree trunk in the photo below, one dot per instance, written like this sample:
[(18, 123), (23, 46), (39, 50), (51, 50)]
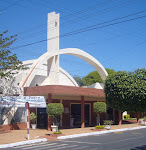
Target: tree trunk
[(138, 116), (120, 118)]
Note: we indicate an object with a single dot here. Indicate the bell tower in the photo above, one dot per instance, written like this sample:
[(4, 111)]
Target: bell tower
[(53, 48)]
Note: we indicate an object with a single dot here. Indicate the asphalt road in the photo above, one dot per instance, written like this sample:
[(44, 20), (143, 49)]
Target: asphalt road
[(128, 140)]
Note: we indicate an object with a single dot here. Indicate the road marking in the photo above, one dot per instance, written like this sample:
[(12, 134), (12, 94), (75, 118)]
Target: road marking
[(81, 142), (118, 132), (62, 146), (46, 145), (125, 140), (65, 147), (33, 144), (82, 147), (136, 133)]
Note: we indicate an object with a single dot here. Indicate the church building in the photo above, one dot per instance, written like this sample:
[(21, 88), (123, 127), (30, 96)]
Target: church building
[(46, 78)]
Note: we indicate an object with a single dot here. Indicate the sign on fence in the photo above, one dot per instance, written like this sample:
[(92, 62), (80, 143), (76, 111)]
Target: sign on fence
[(19, 101)]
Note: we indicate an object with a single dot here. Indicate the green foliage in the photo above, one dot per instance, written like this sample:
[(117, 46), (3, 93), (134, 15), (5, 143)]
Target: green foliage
[(59, 132), (33, 117), (79, 81), (99, 127), (99, 107), (144, 118), (126, 117), (9, 64), (127, 91), (107, 122), (133, 118), (55, 109), (94, 77), (110, 71)]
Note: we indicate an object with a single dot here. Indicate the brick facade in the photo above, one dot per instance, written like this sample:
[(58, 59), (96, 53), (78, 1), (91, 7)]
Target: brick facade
[(68, 95)]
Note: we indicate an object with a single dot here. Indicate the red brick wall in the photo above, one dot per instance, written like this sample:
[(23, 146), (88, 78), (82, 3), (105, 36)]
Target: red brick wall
[(16, 126), (93, 115), (102, 117), (64, 90), (66, 115)]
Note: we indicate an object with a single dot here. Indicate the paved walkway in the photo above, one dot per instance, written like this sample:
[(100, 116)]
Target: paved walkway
[(21, 135)]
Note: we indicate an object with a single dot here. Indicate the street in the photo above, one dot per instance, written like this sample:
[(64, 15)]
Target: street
[(128, 140)]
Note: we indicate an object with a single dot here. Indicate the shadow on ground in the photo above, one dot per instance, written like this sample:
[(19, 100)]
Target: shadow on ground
[(139, 148), (128, 121)]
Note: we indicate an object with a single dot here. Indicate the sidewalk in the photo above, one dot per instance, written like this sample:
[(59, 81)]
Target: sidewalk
[(21, 135)]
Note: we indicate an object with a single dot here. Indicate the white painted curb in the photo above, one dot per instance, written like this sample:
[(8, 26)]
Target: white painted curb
[(97, 133), (23, 143)]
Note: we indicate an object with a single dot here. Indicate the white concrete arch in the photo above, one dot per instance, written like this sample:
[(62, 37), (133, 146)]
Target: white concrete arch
[(32, 71), (68, 76), (70, 51), (88, 58)]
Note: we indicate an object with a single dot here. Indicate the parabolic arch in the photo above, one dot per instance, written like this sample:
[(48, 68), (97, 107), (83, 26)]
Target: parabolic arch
[(70, 51)]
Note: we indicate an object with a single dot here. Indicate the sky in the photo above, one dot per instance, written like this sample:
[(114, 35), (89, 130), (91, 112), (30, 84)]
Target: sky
[(112, 31)]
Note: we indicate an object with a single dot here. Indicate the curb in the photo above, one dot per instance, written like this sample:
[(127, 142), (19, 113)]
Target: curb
[(97, 133), (23, 143), (68, 137)]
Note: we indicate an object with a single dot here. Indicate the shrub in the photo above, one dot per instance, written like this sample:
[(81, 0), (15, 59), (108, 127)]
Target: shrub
[(99, 127), (59, 132), (99, 107), (54, 110), (144, 118), (108, 122), (33, 117), (126, 117)]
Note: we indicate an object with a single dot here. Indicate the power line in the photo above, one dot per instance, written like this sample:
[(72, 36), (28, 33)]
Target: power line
[(10, 5), (111, 21), (93, 27), (74, 21), (67, 16), (70, 15)]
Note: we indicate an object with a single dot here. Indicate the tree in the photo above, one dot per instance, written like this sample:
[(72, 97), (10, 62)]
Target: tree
[(94, 77), (99, 107), (79, 81), (138, 90), (127, 91), (9, 88), (9, 64), (110, 71), (54, 110)]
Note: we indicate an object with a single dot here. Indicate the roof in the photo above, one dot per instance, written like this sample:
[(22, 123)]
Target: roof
[(64, 91)]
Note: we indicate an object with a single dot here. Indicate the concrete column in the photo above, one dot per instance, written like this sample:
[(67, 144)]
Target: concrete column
[(53, 32), (82, 112), (53, 47), (49, 98), (114, 119), (49, 120), (61, 115), (120, 118), (138, 116)]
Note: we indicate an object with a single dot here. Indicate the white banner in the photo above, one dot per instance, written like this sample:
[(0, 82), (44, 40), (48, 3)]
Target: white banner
[(19, 101)]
